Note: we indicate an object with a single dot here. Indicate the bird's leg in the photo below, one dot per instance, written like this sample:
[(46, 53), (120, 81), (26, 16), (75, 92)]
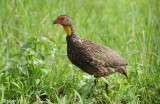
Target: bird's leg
[(94, 85), (95, 82), (106, 84), (107, 88)]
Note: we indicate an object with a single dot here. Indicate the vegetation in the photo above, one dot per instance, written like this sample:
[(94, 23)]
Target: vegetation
[(34, 66)]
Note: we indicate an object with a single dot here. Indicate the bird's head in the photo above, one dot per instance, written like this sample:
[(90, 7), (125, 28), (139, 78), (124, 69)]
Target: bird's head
[(66, 22)]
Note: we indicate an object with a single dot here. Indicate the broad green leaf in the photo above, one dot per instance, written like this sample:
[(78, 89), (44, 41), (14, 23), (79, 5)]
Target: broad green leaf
[(23, 69), (33, 52), (46, 39), (9, 65), (25, 46), (37, 81), (31, 39), (86, 90)]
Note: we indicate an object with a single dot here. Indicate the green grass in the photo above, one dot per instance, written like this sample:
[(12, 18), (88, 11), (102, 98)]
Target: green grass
[(34, 66)]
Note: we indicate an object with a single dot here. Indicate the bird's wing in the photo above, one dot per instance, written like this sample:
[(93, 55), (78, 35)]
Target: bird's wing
[(103, 55)]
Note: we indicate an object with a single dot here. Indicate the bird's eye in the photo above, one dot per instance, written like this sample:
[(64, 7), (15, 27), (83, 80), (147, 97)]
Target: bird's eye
[(62, 18)]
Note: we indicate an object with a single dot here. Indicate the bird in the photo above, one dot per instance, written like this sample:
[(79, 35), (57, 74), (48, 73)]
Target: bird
[(93, 58)]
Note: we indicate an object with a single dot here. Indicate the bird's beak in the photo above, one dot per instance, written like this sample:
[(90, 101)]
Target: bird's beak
[(55, 22)]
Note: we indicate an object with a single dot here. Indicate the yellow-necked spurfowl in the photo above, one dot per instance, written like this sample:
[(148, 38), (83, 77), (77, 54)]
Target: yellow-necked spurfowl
[(92, 58)]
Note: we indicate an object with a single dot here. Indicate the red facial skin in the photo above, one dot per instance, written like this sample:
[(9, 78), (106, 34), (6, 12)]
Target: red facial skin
[(62, 19)]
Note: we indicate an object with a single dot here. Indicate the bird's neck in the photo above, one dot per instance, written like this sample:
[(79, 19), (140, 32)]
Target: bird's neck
[(69, 29)]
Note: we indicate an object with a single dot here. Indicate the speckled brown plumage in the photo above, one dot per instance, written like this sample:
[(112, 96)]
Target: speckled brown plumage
[(92, 58)]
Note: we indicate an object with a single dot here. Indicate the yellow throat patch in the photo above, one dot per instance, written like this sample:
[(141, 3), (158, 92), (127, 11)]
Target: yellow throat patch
[(67, 29)]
